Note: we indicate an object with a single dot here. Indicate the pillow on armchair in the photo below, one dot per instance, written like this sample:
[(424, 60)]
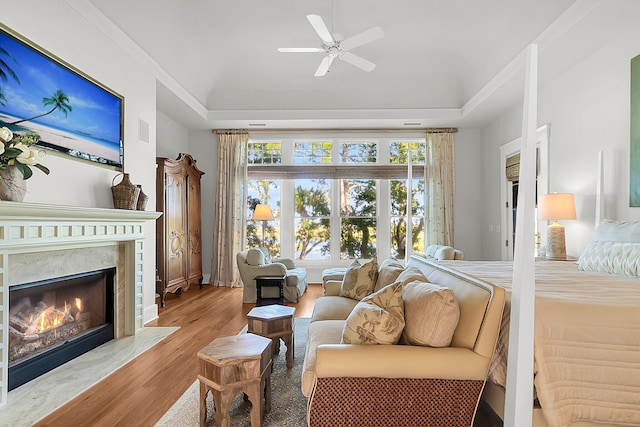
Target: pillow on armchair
[(255, 257)]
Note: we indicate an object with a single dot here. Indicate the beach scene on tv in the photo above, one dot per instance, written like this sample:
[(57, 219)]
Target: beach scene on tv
[(44, 100)]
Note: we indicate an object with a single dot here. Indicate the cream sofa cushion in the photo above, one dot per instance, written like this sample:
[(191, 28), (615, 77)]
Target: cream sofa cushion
[(388, 272), (377, 319), (332, 308), (431, 314), (325, 332), (359, 279)]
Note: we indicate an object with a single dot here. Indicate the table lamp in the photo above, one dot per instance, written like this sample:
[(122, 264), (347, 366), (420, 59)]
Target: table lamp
[(556, 207), (262, 213)]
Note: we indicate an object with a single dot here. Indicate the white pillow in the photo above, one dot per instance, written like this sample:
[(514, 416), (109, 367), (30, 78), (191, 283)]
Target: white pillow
[(255, 257), (614, 249)]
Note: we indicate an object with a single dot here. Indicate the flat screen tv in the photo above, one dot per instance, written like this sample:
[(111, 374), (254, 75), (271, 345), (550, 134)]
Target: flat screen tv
[(70, 112)]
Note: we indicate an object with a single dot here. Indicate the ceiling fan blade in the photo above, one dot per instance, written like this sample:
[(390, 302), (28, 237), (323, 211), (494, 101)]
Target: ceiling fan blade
[(300, 49), (367, 36), (321, 28), (357, 61), (324, 66)]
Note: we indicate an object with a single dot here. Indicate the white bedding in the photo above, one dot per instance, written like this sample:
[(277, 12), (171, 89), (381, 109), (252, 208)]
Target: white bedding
[(587, 341)]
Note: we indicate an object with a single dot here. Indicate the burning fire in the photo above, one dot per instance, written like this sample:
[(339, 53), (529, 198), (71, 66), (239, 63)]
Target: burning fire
[(50, 317)]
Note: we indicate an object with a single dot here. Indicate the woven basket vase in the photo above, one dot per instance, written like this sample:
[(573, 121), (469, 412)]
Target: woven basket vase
[(125, 194), (142, 199)]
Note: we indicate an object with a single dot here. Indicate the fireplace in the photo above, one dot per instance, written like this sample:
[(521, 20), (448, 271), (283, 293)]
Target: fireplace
[(56, 320), (42, 244)]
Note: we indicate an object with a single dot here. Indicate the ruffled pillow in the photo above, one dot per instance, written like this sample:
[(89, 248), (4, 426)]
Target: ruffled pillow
[(614, 249)]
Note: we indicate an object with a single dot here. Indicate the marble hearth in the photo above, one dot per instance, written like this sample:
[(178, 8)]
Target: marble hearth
[(39, 242)]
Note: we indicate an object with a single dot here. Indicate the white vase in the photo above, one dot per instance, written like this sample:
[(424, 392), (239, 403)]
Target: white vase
[(13, 187)]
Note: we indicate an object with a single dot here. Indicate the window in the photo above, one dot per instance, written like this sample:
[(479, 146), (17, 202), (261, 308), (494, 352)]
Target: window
[(313, 219), (336, 198)]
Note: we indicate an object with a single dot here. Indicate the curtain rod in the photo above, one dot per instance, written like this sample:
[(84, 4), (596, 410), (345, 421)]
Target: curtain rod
[(281, 131)]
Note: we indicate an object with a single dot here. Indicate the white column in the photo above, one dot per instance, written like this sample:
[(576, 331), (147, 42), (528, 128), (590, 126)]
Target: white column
[(600, 189), (519, 392)]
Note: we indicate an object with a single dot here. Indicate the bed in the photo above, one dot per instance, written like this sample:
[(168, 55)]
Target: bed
[(587, 334)]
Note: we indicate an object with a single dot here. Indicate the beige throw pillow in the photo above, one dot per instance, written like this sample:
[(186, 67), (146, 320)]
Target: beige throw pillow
[(431, 314), (359, 279), (377, 319), (388, 273), (411, 274)]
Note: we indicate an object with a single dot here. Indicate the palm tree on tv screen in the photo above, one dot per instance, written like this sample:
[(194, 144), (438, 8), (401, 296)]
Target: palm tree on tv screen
[(59, 100), (5, 72)]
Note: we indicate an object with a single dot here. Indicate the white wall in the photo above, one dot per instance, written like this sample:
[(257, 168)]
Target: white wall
[(469, 171), (59, 29), (587, 108), (204, 148), (172, 138)]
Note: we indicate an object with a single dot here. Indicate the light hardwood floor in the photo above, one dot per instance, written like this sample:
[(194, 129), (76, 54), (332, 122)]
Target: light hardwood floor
[(143, 390)]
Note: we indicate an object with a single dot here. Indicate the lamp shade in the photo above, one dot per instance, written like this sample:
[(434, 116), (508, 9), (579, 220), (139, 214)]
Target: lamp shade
[(556, 206), (263, 213)]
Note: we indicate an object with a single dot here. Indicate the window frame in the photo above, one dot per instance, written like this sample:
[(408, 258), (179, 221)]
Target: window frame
[(382, 171)]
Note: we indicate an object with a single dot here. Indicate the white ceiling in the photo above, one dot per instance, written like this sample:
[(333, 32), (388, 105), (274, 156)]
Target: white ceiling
[(218, 66)]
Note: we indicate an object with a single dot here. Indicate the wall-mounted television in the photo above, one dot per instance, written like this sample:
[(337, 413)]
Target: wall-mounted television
[(70, 112)]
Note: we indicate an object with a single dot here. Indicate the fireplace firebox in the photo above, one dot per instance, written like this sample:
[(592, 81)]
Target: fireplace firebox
[(56, 320)]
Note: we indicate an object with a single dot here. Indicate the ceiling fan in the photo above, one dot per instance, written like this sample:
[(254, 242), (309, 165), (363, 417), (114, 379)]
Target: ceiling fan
[(334, 48)]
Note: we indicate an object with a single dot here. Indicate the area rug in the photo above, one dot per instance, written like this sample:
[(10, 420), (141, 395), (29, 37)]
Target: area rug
[(288, 405)]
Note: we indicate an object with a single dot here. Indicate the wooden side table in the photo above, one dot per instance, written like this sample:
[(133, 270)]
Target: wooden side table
[(233, 364), (268, 282), (274, 322)]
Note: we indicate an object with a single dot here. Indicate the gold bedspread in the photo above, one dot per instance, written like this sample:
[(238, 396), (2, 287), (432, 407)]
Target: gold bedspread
[(586, 341)]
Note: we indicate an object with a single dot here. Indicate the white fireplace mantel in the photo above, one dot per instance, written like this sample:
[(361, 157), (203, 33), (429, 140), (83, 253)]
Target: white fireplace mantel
[(27, 228)]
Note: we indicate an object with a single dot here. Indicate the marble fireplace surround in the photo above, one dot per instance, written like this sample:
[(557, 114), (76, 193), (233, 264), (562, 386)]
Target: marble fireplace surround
[(40, 242)]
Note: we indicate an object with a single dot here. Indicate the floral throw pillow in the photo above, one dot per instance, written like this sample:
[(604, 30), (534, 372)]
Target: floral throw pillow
[(360, 279), (377, 319)]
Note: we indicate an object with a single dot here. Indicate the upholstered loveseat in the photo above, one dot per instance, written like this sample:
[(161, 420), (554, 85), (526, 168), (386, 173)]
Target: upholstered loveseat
[(404, 384), (257, 262)]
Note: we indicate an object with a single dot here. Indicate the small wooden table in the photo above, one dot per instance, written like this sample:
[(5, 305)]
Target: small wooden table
[(233, 364), (274, 322), (270, 282)]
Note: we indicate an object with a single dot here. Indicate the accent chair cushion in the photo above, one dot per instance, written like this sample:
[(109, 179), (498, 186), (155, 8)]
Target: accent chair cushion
[(440, 252), (255, 257), (613, 249), (376, 319), (431, 314), (360, 279)]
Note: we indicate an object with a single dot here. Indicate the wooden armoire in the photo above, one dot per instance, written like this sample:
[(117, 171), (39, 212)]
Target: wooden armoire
[(178, 230)]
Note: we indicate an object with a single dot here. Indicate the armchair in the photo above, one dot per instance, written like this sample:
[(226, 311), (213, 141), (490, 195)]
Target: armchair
[(257, 262)]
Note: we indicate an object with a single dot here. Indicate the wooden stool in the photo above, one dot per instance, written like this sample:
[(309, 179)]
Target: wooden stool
[(275, 322), (229, 365)]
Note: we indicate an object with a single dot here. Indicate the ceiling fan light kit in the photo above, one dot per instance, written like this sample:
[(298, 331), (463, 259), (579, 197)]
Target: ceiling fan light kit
[(334, 48)]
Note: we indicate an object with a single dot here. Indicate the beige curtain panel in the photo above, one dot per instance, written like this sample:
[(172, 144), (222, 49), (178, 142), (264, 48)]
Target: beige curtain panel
[(439, 183), (229, 229)]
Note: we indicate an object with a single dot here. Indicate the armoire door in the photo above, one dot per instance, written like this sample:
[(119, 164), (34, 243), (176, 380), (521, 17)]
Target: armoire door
[(176, 228)]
